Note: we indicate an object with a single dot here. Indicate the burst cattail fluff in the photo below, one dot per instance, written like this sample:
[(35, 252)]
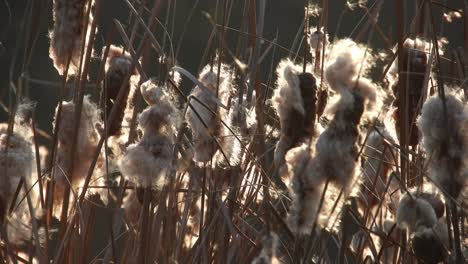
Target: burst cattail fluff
[(336, 147), (336, 150), (16, 162), (445, 138), (305, 190), (148, 162), (294, 101), (70, 24), (414, 213), (198, 115), (86, 143), (119, 65)]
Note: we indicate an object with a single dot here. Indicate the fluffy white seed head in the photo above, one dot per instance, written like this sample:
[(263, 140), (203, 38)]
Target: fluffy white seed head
[(414, 212), (205, 123), (70, 24), (287, 95), (87, 140), (305, 190), (148, 163), (445, 138), (16, 162)]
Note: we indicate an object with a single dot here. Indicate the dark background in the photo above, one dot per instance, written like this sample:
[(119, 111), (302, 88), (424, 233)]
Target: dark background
[(282, 16)]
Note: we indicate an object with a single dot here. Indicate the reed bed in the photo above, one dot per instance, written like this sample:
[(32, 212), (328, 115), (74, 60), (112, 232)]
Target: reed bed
[(323, 149)]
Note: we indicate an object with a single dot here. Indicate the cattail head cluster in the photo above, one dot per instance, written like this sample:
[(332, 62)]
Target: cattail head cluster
[(294, 100), (444, 128), (119, 65), (148, 162), (86, 143), (205, 113), (70, 25), (334, 159), (421, 213)]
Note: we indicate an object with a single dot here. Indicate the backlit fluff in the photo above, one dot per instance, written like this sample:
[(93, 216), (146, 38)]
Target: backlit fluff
[(445, 138), (305, 190), (336, 150), (346, 61), (204, 137), (118, 66), (148, 162), (414, 213), (16, 162), (294, 101), (87, 140), (70, 25), (337, 147)]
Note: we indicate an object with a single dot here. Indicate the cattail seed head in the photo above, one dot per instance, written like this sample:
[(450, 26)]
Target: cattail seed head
[(70, 25), (118, 66), (86, 143), (445, 138), (295, 102), (414, 213), (205, 136)]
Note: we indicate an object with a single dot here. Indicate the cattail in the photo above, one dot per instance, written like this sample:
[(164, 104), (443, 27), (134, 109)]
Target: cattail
[(118, 66), (445, 138), (205, 137), (336, 151), (87, 140), (16, 162), (305, 190), (294, 101), (412, 77), (378, 165), (429, 246), (268, 253), (149, 162), (414, 213), (70, 25), (336, 147), (317, 40)]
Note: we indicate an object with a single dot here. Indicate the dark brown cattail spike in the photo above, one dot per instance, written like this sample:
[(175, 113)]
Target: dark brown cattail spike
[(295, 102), (322, 102), (118, 66), (414, 63), (427, 247), (2, 210)]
